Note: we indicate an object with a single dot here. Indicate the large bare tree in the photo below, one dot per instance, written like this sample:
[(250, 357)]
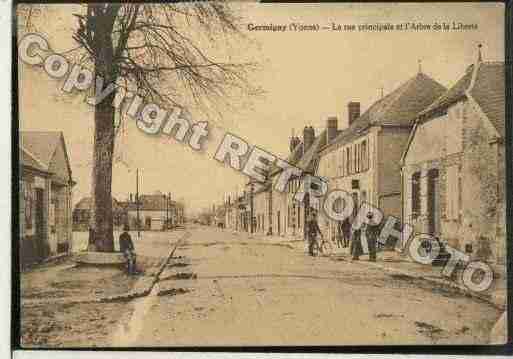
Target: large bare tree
[(158, 51)]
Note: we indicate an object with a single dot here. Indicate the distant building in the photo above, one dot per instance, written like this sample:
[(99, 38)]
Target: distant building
[(45, 196), (275, 212), (454, 165), (364, 158), (82, 214), (156, 212)]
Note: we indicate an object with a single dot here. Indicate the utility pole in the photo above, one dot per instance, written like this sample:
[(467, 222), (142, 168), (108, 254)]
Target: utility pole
[(137, 205), (166, 226), (251, 206), (170, 209)]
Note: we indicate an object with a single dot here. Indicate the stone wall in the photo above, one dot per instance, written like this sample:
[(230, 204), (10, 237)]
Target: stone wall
[(479, 158)]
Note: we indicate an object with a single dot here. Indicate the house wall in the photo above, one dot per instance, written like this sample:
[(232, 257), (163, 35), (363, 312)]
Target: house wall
[(460, 145), (279, 210), (293, 210), (260, 212), (437, 144), (60, 224), (58, 164), (157, 219), (333, 166), (391, 145), (483, 180), (34, 246), (501, 248)]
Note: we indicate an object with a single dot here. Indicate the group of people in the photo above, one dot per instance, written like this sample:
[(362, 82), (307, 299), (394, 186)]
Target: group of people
[(369, 232)]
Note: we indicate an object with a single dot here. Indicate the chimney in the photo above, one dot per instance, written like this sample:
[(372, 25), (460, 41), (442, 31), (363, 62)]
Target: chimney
[(331, 128), (353, 112), (308, 137), (294, 141)]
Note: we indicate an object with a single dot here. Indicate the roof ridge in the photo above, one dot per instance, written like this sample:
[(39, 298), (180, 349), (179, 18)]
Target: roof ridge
[(399, 91)]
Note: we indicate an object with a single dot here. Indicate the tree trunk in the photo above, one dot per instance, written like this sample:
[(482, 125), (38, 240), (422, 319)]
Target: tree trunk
[(103, 152), (102, 236)]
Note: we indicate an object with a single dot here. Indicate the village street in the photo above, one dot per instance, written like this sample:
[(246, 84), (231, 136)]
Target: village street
[(234, 289)]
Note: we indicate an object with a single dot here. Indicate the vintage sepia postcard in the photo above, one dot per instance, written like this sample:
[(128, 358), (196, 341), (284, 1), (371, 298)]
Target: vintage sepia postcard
[(245, 174)]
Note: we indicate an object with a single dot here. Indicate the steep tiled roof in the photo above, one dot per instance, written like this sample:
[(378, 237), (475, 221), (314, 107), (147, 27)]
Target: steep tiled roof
[(453, 94), (488, 91), (41, 144), (398, 108), (27, 159), (402, 105), (304, 161), (308, 162)]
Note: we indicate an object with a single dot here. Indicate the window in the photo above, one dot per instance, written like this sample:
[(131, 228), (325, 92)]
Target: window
[(299, 216), (343, 161), (357, 155), (340, 163), (354, 158), (415, 195), (364, 197), (365, 159), (349, 161), (356, 203), (28, 204)]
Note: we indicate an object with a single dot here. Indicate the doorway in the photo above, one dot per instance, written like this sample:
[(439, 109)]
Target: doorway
[(279, 222), (39, 239), (434, 202)]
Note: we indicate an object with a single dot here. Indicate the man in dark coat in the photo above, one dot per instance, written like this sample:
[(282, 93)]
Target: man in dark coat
[(346, 232), (356, 244), (126, 246), (312, 231), (372, 232)]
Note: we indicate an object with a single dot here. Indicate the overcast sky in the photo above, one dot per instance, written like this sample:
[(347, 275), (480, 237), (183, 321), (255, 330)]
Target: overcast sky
[(307, 76)]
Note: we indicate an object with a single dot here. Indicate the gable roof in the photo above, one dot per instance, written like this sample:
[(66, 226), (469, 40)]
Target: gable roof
[(308, 162), (303, 160), (29, 160), (398, 108), (489, 93), (41, 146), (484, 82), (452, 95)]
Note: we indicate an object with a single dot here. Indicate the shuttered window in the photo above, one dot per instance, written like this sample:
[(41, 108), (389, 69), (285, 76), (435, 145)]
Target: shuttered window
[(415, 195)]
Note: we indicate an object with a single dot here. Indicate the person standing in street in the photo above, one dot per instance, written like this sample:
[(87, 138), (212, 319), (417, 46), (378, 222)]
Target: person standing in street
[(312, 231), (346, 232), (356, 244), (372, 232), (126, 246)]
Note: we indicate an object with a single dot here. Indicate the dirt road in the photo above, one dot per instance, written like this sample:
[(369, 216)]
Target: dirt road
[(254, 292)]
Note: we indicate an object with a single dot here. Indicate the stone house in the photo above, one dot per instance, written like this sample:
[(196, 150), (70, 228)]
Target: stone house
[(453, 168), (82, 214), (45, 196), (156, 212), (276, 212), (364, 158), (261, 208)]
